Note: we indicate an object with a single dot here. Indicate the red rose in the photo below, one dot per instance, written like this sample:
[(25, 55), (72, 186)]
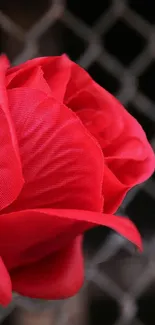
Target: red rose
[(69, 153)]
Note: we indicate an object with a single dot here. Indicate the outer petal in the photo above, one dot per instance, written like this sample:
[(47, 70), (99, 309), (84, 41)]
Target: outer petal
[(5, 285), (62, 164), (130, 156), (30, 78), (56, 71), (31, 235), (58, 276), (42, 248), (114, 191), (127, 152), (11, 179)]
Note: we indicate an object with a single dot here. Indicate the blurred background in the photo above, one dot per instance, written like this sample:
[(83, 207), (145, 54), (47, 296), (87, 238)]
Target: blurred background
[(115, 42)]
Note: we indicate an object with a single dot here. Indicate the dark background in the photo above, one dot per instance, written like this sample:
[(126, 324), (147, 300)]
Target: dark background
[(115, 42)]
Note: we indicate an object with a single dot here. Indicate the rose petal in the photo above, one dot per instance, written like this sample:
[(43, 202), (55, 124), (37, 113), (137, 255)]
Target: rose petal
[(130, 156), (118, 133), (30, 78), (5, 285), (113, 191), (30, 235), (56, 73), (62, 164), (57, 277), (79, 91), (11, 178), (126, 149)]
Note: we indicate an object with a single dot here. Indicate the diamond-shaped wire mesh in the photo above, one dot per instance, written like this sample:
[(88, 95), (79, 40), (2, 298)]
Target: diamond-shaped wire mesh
[(115, 41)]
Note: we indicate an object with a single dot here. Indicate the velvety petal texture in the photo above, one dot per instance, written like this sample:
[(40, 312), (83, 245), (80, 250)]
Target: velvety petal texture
[(69, 154), (11, 179)]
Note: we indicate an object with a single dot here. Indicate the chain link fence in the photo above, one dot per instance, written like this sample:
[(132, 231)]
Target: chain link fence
[(115, 42)]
